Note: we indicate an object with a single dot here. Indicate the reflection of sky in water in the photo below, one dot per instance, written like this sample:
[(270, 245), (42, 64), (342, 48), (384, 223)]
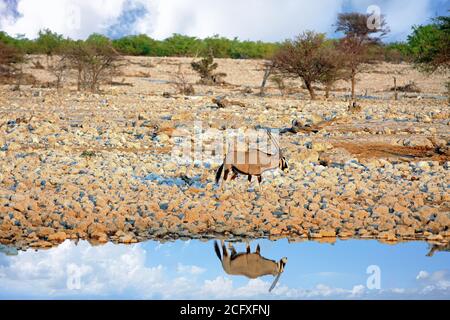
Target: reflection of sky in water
[(191, 270)]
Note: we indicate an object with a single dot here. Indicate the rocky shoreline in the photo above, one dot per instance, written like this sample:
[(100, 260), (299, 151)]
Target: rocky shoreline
[(99, 167)]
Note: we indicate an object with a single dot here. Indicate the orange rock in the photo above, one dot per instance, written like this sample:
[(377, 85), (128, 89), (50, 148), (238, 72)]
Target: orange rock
[(41, 244), (327, 233), (58, 236), (44, 232), (99, 236)]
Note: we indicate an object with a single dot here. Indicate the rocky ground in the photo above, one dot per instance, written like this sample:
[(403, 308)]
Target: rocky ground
[(100, 166)]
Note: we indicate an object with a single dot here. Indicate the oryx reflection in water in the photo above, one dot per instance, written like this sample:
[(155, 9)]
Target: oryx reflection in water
[(436, 247), (249, 264)]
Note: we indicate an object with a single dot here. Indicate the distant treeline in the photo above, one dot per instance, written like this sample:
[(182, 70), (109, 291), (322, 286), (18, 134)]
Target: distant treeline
[(179, 45)]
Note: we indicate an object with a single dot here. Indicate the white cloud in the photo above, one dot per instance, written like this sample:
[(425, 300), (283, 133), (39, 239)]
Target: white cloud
[(270, 20), (436, 281), (358, 291), (91, 270), (2, 7), (192, 270), (73, 18), (252, 19), (422, 275)]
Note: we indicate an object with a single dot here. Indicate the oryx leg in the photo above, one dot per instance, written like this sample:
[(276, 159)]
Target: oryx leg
[(234, 176), (259, 183), (232, 249), (250, 181), (225, 176), (248, 247), (258, 249)]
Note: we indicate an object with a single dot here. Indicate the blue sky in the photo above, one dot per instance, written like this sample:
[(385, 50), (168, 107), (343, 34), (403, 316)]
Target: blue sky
[(190, 270), (269, 20)]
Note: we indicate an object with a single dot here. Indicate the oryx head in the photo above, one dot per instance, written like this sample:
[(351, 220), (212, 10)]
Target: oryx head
[(280, 267), (283, 164)]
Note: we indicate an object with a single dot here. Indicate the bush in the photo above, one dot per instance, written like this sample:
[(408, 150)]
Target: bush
[(49, 43), (311, 58), (10, 60), (140, 45), (94, 59), (205, 68), (181, 84), (429, 45)]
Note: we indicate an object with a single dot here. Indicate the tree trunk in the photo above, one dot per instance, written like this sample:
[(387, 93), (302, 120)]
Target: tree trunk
[(310, 88), (19, 79), (353, 84), (267, 72), (79, 80), (327, 91), (448, 91), (395, 89)]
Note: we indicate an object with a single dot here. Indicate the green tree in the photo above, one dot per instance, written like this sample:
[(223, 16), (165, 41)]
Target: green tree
[(180, 46), (429, 45), (48, 42), (138, 45)]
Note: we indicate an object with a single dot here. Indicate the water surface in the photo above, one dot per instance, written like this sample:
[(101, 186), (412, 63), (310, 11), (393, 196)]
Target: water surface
[(352, 269)]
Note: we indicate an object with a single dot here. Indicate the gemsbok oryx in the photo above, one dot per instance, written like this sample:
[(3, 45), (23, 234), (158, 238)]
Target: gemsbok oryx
[(251, 265), (252, 162)]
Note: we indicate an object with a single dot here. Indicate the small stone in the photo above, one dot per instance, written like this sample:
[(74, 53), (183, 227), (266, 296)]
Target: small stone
[(327, 233), (381, 210), (41, 244), (127, 239), (101, 237), (58, 236), (435, 237)]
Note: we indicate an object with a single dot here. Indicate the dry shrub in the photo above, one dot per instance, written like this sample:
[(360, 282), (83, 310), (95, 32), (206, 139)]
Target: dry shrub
[(409, 87), (10, 62), (59, 69), (37, 65), (95, 63), (279, 82), (310, 58), (205, 68), (181, 83), (358, 39)]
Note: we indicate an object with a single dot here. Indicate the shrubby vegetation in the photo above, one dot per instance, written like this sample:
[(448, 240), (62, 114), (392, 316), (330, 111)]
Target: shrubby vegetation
[(95, 60), (358, 39), (206, 70), (429, 45), (310, 56), (177, 45), (11, 60)]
